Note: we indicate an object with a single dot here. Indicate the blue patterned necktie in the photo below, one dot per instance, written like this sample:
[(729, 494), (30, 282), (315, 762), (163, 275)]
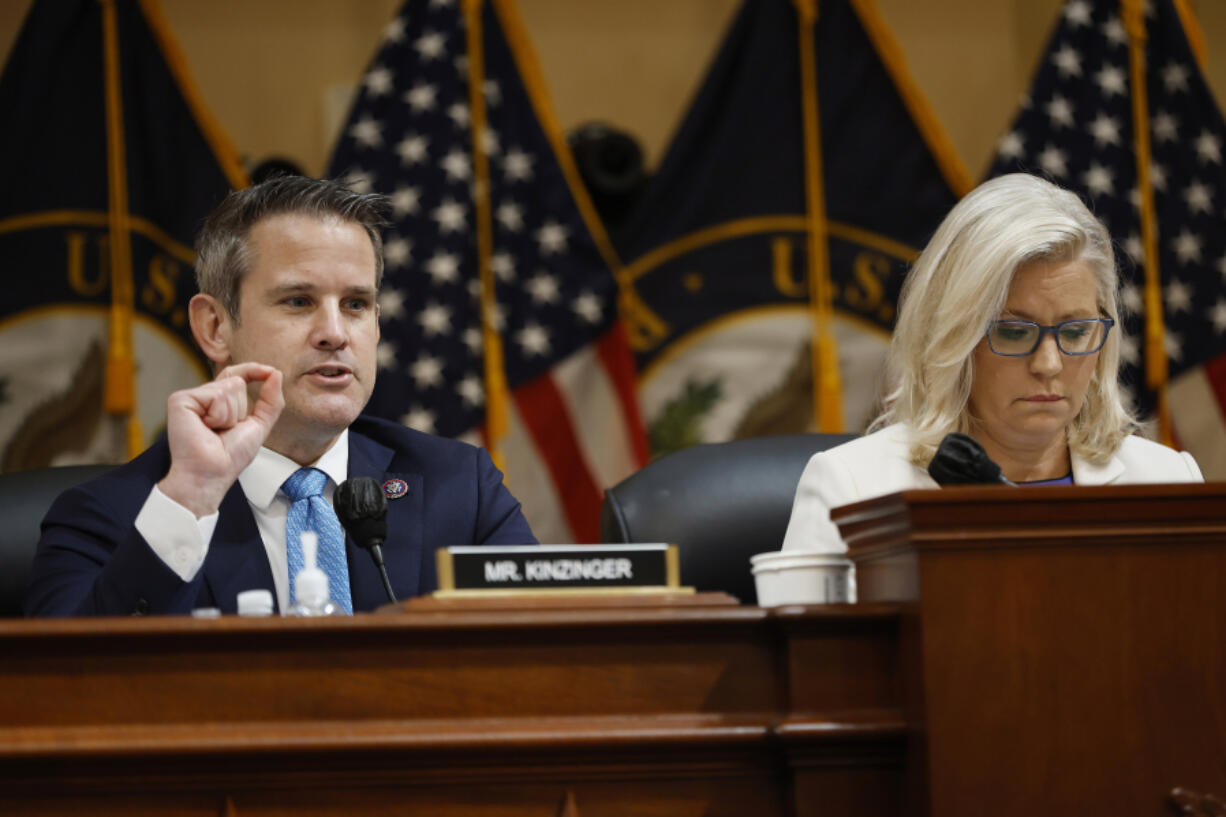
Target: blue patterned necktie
[(309, 510)]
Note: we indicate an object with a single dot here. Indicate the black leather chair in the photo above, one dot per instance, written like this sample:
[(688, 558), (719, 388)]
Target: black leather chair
[(25, 497), (719, 503)]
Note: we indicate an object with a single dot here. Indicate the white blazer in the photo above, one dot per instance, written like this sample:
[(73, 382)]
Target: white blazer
[(878, 464)]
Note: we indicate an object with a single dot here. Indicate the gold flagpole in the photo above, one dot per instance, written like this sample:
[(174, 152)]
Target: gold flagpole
[(497, 393), (1133, 12), (120, 397), (827, 382)]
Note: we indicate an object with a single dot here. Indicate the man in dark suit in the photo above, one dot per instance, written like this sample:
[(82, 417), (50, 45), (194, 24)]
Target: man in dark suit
[(288, 272)]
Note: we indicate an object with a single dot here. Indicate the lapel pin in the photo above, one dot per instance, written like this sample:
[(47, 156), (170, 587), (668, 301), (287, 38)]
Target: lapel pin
[(395, 488)]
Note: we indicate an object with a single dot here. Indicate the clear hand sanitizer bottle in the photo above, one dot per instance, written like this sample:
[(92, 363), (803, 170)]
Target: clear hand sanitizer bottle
[(311, 584)]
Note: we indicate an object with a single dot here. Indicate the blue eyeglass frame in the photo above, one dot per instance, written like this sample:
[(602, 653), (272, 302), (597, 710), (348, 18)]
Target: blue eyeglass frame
[(1054, 331)]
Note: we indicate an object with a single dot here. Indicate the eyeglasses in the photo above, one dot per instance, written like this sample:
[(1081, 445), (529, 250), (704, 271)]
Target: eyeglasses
[(1021, 338)]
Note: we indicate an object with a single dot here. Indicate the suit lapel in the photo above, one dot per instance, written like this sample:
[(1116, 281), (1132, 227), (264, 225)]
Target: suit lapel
[(402, 552), (1088, 473), (236, 559)]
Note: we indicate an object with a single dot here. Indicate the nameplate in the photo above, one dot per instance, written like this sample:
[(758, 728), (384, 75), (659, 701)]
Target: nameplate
[(499, 569)]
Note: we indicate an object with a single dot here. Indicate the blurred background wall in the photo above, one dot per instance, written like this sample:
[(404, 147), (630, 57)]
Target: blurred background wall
[(278, 73)]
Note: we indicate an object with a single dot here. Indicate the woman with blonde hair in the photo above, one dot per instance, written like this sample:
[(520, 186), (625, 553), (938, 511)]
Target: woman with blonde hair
[(1008, 331)]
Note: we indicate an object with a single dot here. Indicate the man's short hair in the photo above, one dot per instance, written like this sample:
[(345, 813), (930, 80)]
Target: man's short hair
[(223, 255)]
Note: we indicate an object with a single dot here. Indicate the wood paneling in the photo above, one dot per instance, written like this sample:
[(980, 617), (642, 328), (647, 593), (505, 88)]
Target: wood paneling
[(1069, 641), (684, 709)]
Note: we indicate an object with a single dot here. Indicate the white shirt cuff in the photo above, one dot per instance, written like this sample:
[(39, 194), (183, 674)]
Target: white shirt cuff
[(175, 534)]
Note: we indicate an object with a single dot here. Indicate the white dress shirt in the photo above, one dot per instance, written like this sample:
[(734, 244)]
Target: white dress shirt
[(182, 541)]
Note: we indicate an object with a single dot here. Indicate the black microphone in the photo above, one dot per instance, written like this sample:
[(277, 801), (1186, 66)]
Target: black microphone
[(362, 509), (961, 460)]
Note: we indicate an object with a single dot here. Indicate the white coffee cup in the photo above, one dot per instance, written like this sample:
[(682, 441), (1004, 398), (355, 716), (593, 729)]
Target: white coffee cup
[(802, 577)]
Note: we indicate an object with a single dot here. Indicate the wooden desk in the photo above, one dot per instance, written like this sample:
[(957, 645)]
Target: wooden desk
[(687, 710), (1046, 651), (1068, 644)]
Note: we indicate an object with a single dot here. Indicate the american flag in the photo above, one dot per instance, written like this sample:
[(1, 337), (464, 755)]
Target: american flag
[(1076, 128), (573, 421)]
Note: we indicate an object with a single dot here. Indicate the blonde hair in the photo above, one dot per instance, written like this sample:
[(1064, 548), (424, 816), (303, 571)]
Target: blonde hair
[(960, 283)]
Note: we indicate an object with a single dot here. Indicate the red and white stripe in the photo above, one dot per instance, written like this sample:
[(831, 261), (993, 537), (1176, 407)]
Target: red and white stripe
[(1198, 412), (574, 432)]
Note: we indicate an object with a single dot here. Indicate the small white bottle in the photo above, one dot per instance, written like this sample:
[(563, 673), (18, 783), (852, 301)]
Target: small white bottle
[(311, 584), (255, 603)]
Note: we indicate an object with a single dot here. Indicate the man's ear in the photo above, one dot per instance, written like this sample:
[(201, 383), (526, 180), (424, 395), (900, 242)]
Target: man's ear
[(211, 326)]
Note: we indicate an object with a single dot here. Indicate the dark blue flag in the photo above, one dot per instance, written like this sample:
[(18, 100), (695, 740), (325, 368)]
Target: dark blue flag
[(452, 123), (1076, 128), (107, 166), (771, 246)]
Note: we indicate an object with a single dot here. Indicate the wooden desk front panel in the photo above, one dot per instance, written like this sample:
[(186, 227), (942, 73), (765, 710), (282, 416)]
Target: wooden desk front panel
[(1071, 641), (644, 711)]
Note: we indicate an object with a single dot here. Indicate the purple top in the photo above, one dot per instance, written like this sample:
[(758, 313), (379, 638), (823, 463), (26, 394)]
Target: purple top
[(1067, 479)]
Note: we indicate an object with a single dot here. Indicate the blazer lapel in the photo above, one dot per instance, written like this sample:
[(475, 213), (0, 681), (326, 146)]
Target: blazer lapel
[(1088, 473), (403, 550), (236, 559)]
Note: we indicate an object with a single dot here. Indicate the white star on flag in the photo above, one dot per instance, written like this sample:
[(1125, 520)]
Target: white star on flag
[(1112, 80), (1187, 247), (421, 97), (420, 419), (378, 81), (552, 238), (1011, 146), (406, 201), (1114, 31), (460, 115), (450, 216), (412, 149), (1165, 127), (588, 307), (1068, 61), (1199, 198), (1178, 296), (396, 252), (503, 266), (427, 371), (1054, 161), (534, 339), (431, 45), (510, 216), (517, 166), (543, 288), (435, 319), (385, 354), (391, 303), (1217, 315), (443, 268), (1098, 180), (1077, 13), (456, 165), (1061, 111), (1209, 148), (1106, 130), (471, 390), (1175, 77)]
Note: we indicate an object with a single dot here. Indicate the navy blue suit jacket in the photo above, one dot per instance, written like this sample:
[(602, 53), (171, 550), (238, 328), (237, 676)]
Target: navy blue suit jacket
[(92, 561)]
